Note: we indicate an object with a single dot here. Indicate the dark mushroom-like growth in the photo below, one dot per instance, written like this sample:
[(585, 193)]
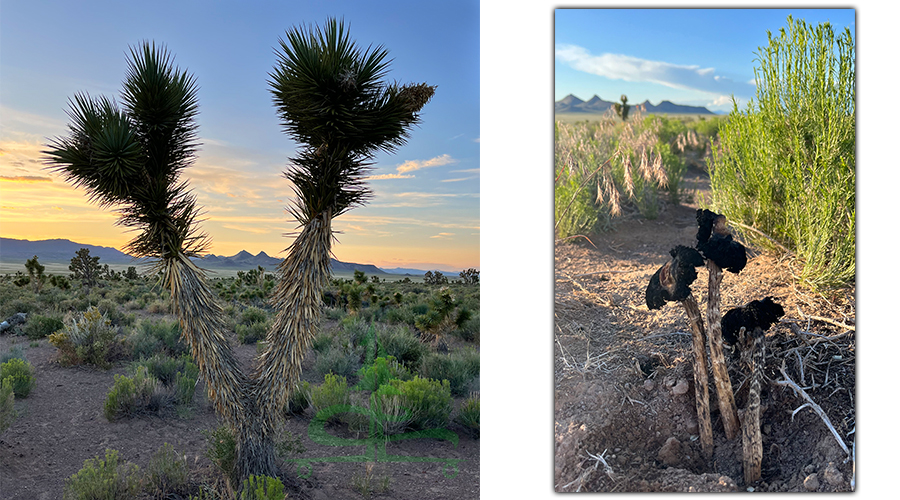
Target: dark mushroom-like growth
[(716, 243), (673, 280), (757, 314)]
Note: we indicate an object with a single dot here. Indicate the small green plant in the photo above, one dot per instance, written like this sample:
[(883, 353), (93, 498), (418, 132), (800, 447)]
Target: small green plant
[(7, 405), (131, 395), (221, 450), (342, 361), (14, 352), (262, 488), (460, 369), (380, 372), (470, 414), (104, 479), (167, 473), (150, 337), (391, 415), (403, 345), (299, 400), (370, 482), (19, 374)]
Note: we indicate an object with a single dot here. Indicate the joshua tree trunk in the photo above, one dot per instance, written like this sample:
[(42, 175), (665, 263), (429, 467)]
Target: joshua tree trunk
[(727, 407)]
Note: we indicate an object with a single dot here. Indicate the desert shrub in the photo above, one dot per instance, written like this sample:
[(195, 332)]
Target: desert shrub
[(39, 326), (380, 372), (85, 338), (7, 405), (338, 361), (252, 315), (167, 473), (150, 337), (104, 479), (262, 488), (428, 401), (470, 329), (159, 306), (370, 482), (459, 369), (26, 303), (252, 333), (470, 414), (332, 392), (130, 395), (403, 345), (221, 450), (299, 400), (390, 413), (18, 374), (14, 352), (322, 341), (787, 165)]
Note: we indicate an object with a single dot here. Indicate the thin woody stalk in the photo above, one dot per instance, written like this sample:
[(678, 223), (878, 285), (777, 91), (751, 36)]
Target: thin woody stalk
[(701, 378), (727, 406)]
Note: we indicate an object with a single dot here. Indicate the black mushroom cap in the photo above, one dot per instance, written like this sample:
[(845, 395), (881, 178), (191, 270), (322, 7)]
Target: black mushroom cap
[(717, 244), (758, 313), (673, 280)]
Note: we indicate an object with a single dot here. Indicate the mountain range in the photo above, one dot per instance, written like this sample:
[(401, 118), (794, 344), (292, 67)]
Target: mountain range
[(59, 250), (572, 104)]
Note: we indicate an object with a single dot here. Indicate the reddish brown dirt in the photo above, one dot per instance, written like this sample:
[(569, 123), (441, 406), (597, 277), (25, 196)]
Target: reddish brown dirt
[(61, 424), (624, 387)]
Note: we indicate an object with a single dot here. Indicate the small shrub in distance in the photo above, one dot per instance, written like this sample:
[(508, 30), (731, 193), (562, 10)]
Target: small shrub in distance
[(370, 482), (14, 352), (39, 326), (338, 361), (470, 414), (400, 343), (459, 368), (7, 406), (429, 401), (262, 488), (130, 395), (104, 479), (19, 374), (378, 373), (332, 392), (86, 338), (167, 473)]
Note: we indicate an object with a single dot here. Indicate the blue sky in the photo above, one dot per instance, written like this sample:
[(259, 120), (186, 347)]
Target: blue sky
[(425, 212), (698, 57)]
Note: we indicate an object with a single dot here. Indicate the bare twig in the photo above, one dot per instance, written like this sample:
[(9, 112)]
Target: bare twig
[(601, 272), (764, 235), (826, 320), (560, 240), (812, 404)]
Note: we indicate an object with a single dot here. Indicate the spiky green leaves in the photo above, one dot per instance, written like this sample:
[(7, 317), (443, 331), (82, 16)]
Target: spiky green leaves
[(330, 97), (131, 158)]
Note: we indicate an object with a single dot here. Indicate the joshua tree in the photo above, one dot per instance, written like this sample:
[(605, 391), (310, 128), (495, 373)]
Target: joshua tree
[(622, 109), (331, 99), (85, 267)]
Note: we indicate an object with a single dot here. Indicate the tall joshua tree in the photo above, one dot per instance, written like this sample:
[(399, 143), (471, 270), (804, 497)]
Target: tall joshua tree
[(131, 158)]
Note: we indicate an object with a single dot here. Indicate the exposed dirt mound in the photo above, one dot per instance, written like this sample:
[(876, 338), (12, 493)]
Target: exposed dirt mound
[(624, 395)]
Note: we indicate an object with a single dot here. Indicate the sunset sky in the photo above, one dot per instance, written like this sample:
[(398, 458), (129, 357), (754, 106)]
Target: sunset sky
[(425, 210)]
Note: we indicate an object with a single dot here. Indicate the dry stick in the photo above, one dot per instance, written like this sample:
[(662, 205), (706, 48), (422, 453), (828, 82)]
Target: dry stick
[(701, 378), (754, 348), (826, 320), (727, 407), (818, 409)]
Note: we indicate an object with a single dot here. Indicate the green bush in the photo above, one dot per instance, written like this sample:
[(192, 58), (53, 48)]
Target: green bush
[(150, 337), (403, 345), (429, 401), (7, 405), (262, 488), (252, 333), (470, 414), (380, 372), (221, 450), (299, 400), (14, 352), (167, 473), (130, 395), (338, 361), (787, 165), (39, 326), (104, 479), (460, 369), (18, 374), (392, 416), (332, 392), (252, 315)]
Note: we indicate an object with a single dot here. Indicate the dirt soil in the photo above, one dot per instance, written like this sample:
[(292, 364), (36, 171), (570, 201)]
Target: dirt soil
[(625, 414), (61, 424)]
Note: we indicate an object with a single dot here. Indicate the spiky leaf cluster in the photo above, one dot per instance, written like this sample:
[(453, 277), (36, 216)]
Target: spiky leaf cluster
[(131, 157), (331, 99)]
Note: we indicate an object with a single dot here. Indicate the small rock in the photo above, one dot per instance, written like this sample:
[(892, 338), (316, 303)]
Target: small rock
[(691, 426), (649, 385), (681, 387), (833, 476), (670, 453), (4, 326), (811, 482)]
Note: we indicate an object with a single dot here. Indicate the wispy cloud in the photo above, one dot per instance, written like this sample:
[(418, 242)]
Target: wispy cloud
[(388, 176), (443, 236), (413, 165), (25, 178), (633, 69)]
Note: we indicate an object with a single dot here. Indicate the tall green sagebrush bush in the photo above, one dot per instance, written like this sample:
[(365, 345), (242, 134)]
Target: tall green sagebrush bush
[(787, 165)]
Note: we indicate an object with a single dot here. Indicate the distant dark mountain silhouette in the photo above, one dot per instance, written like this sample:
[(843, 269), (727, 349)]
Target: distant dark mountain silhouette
[(572, 104), (62, 251)]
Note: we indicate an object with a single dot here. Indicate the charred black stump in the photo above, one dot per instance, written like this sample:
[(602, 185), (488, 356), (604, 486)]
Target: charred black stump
[(757, 314), (672, 281), (716, 243)]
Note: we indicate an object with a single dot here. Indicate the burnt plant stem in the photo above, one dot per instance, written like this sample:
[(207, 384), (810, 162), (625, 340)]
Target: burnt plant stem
[(727, 407), (701, 378), (753, 347)]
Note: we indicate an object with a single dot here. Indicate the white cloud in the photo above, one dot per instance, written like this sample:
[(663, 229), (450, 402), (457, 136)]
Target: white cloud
[(633, 69), (412, 165)]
